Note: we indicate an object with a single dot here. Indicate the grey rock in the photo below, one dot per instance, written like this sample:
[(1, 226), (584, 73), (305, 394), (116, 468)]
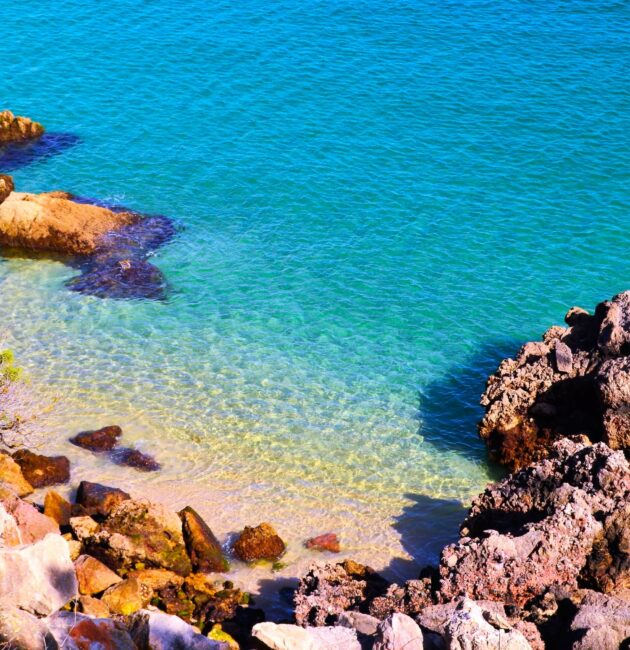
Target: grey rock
[(564, 357), (398, 631), (362, 623), (292, 637), (20, 630), (39, 578), (74, 631), (469, 630), (601, 623)]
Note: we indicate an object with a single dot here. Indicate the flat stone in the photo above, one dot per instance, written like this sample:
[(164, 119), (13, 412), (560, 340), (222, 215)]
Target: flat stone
[(292, 637), (94, 607), (564, 357)]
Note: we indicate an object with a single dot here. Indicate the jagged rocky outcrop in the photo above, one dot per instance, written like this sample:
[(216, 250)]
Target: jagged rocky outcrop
[(14, 128), (110, 246), (576, 381), (6, 186), (532, 547)]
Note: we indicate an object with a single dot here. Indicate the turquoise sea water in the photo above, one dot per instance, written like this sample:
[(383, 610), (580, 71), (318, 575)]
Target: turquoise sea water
[(378, 200)]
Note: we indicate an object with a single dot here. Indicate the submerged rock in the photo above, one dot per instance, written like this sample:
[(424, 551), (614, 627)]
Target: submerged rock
[(259, 543), (41, 471), (6, 186), (326, 542), (576, 381), (203, 547), (134, 458), (14, 128), (103, 439)]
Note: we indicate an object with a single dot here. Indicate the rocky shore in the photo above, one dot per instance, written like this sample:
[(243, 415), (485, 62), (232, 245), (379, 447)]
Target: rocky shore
[(542, 559)]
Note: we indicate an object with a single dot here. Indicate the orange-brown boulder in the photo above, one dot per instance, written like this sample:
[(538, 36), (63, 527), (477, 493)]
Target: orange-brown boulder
[(14, 128), (259, 543)]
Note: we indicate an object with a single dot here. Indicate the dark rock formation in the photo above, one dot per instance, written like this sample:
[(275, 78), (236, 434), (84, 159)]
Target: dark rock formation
[(259, 543), (41, 471), (535, 531), (14, 128), (100, 440), (134, 458), (99, 499), (203, 547), (576, 381)]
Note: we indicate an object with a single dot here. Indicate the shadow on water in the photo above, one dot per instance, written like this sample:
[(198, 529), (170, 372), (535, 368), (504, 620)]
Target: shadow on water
[(16, 155), (449, 409)]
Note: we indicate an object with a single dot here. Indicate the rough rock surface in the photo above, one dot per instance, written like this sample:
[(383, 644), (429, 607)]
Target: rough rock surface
[(398, 631), (6, 186), (259, 543), (12, 476), (57, 508), (468, 628), (53, 222), (103, 439), (38, 578), (94, 576), (140, 532), (327, 591), (29, 524), (291, 637), (74, 631), (535, 530), (99, 499), (159, 631), (576, 381), (203, 547), (20, 630), (601, 623), (41, 471), (14, 128)]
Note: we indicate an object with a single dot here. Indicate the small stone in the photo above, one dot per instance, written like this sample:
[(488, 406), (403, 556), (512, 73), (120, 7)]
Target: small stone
[(94, 576), (259, 543), (91, 606), (75, 548), (326, 542), (57, 508), (41, 471), (127, 597), (99, 499), (103, 439)]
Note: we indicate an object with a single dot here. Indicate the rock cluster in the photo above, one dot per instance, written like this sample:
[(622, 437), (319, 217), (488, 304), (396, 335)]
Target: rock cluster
[(576, 381), (15, 128), (543, 555)]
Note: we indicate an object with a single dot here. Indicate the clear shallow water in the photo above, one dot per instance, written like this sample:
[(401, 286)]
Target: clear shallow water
[(378, 200)]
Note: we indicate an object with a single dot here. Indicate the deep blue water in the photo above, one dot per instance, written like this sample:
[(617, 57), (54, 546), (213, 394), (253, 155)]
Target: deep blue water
[(378, 201)]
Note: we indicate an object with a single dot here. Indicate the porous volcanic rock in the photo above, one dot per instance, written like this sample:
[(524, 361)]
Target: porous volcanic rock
[(576, 381), (14, 128), (535, 531), (601, 623), (41, 471), (6, 186), (327, 591), (259, 543)]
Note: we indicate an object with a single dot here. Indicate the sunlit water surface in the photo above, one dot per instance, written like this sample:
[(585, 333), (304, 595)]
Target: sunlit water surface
[(377, 201)]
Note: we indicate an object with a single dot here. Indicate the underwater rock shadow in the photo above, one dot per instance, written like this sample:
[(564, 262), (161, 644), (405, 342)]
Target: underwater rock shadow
[(16, 155), (449, 408), (426, 526)]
